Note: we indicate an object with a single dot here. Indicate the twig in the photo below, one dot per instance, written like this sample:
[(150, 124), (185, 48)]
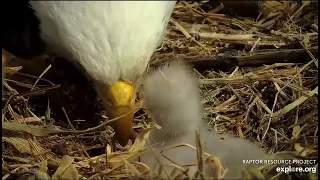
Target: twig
[(302, 69), (184, 32), (310, 54), (28, 93), (255, 44), (73, 128), (300, 9), (8, 126), (42, 74), (294, 104), (158, 160), (199, 155)]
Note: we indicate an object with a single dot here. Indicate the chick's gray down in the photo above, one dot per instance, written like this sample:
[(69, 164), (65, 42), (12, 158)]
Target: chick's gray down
[(173, 101)]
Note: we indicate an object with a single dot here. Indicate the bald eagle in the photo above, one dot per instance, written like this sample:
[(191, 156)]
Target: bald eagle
[(112, 41)]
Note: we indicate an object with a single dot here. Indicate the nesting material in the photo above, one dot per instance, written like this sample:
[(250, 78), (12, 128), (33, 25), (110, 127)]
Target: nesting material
[(173, 100), (242, 100)]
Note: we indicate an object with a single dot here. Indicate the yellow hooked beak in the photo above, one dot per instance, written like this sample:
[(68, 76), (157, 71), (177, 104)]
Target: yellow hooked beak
[(121, 100)]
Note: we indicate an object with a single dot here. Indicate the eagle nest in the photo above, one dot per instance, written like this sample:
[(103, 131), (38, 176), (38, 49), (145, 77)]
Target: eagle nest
[(258, 75)]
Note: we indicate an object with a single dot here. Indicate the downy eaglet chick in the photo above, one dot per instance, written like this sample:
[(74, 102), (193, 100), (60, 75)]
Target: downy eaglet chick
[(173, 101)]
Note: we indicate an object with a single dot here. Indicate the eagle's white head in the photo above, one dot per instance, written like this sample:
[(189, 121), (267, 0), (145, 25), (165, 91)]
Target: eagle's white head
[(112, 41)]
